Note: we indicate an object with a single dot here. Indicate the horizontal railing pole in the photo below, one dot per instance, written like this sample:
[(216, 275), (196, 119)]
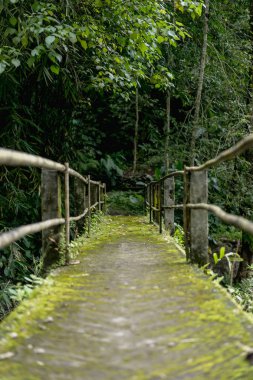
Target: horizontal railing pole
[(79, 217), (226, 155), (51, 196), (235, 220), (94, 182), (170, 175), (173, 206), (73, 173), (10, 157), (9, 237), (173, 174), (94, 205)]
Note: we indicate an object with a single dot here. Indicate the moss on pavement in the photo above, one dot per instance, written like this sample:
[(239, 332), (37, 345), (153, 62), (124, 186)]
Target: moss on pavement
[(132, 309)]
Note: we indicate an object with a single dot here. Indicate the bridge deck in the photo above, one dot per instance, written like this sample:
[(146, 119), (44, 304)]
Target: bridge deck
[(132, 309)]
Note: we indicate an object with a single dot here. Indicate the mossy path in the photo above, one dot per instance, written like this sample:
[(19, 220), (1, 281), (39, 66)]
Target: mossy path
[(131, 310)]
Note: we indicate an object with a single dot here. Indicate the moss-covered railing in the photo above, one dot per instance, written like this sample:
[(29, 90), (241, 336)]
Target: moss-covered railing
[(160, 200), (88, 194)]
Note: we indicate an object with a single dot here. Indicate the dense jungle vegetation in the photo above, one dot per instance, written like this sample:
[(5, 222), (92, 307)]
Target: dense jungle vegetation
[(123, 90)]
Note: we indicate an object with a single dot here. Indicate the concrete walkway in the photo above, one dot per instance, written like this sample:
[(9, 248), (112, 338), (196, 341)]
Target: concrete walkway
[(131, 310)]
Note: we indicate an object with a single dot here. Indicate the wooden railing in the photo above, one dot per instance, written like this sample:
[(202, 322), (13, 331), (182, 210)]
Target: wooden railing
[(89, 195), (160, 200)]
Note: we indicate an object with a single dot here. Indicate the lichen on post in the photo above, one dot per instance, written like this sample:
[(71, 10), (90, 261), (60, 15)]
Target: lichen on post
[(50, 209), (198, 219), (169, 200), (80, 203)]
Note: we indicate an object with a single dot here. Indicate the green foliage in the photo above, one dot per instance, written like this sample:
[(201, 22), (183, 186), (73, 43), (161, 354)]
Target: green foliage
[(243, 293), (20, 292), (219, 256), (11, 295), (125, 203), (231, 259), (179, 234), (97, 218), (112, 171)]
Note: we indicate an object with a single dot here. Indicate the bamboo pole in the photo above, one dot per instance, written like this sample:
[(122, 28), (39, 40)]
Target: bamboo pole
[(226, 155), (9, 237), (10, 157), (234, 220)]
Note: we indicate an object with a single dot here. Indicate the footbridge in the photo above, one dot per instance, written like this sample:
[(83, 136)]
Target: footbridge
[(130, 306)]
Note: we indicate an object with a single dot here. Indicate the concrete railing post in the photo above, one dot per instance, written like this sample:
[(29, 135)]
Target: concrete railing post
[(156, 203), (93, 193), (150, 202), (79, 193), (169, 200), (186, 214), (104, 197), (198, 219), (99, 197), (89, 205), (50, 209), (67, 214), (145, 200), (160, 214)]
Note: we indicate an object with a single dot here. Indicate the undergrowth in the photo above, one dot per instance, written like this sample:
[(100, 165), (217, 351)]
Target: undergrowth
[(125, 203), (242, 291), (28, 277)]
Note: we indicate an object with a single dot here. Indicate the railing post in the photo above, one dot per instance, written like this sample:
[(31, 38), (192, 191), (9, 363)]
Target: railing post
[(169, 200), (150, 203), (104, 197), (198, 218), (79, 203), (186, 213), (93, 196), (99, 196), (153, 202), (89, 204), (155, 213), (50, 209), (160, 207), (67, 225), (145, 197)]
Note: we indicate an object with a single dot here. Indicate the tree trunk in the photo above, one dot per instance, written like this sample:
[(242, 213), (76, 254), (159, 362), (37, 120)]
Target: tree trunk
[(136, 130), (167, 134), (200, 85), (168, 108)]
